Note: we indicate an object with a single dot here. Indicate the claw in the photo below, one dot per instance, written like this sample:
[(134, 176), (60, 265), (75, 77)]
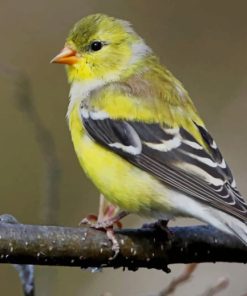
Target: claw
[(90, 220), (115, 244)]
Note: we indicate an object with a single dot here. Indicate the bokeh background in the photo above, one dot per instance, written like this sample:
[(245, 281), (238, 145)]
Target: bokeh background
[(204, 43)]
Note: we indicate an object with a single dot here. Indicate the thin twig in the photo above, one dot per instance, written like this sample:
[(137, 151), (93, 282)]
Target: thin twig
[(221, 284), (185, 276), (26, 276), (25, 271), (51, 167), (51, 172)]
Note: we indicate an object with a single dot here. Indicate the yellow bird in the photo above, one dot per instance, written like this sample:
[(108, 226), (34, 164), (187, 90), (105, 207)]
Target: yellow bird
[(138, 135)]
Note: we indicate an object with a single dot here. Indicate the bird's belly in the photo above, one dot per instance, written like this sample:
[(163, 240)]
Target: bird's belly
[(122, 183)]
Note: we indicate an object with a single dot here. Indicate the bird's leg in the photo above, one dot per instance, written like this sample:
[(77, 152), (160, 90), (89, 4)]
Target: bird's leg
[(108, 216), (107, 211), (102, 205), (91, 219)]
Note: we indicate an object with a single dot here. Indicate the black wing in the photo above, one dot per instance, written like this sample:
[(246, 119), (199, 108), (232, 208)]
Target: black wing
[(174, 157)]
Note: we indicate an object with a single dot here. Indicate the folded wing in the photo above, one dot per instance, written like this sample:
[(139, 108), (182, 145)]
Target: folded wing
[(174, 157)]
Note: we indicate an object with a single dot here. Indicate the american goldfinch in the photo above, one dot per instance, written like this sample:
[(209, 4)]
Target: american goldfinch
[(138, 135)]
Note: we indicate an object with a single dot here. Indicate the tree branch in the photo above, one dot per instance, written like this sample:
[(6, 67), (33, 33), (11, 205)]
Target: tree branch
[(86, 247)]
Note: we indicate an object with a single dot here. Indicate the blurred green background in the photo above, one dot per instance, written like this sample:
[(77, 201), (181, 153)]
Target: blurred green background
[(204, 43)]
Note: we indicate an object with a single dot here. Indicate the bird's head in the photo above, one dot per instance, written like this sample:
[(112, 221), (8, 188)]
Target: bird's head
[(100, 47)]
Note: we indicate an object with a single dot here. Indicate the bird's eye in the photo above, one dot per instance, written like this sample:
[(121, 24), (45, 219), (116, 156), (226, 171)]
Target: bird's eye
[(96, 45)]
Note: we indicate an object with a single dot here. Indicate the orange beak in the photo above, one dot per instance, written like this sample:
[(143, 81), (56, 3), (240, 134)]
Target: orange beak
[(66, 56)]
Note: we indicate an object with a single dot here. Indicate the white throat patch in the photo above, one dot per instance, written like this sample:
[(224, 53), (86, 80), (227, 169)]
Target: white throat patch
[(81, 90)]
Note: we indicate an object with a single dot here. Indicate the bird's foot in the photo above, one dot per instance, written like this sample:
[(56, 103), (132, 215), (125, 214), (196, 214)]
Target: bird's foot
[(92, 221), (108, 217), (160, 226), (107, 225)]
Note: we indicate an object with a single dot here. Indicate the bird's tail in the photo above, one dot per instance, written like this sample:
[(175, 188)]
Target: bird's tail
[(239, 229), (230, 224)]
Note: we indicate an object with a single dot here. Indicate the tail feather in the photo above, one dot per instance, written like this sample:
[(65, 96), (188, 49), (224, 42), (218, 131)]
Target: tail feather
[(239, 229), (229, 224)]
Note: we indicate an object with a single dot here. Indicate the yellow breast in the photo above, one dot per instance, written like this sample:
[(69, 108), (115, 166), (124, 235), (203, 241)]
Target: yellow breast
[(122, 183)]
